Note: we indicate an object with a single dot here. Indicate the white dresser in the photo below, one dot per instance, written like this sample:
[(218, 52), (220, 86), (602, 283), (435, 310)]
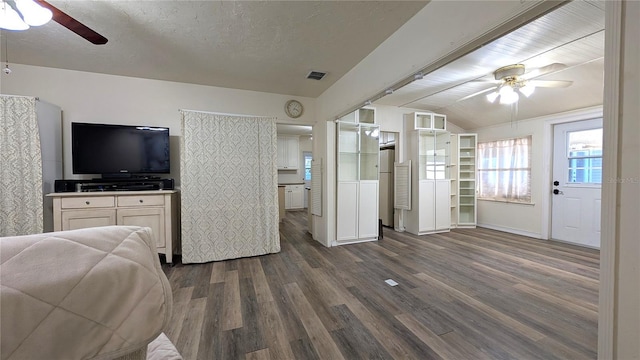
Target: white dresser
[(157, 209)]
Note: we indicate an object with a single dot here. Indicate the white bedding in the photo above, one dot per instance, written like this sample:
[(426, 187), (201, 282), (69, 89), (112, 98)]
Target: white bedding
[(95, 293)]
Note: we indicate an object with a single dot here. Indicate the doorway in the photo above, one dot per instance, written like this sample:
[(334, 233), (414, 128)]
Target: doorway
[(387, 158), (577, 181), (307, 157)]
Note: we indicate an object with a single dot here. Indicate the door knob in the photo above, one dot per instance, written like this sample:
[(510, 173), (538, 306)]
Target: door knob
[(557, 192), (556, 183)]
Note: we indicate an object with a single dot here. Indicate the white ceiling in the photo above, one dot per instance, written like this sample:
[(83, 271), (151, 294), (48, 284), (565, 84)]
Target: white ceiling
[(572, 35), (265, 46), (270, 46)]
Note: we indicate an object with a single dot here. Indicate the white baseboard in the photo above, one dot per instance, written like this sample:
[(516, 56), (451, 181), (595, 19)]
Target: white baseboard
[(512, 231), (347, 242)]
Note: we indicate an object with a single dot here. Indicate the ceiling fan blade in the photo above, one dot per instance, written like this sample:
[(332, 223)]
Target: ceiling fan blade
[(548, 69), (477, 93), (550, 83), (73, 24)]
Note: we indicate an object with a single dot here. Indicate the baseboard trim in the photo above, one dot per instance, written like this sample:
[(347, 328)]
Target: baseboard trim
[(512, 231)]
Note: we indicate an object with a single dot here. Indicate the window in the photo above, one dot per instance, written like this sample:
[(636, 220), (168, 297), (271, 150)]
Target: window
[(584, 154), (504, 170), (307, 166)]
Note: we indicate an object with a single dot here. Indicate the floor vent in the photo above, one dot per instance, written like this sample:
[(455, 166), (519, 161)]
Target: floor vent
[(390, 282), (316, 75)]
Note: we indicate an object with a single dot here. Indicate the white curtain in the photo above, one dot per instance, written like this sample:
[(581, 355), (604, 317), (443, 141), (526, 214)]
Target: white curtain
[(229, 184), (504, 170), (21, 210)]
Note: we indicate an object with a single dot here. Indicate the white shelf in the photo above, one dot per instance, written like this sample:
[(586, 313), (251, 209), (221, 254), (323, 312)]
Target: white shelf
[(466, 200)]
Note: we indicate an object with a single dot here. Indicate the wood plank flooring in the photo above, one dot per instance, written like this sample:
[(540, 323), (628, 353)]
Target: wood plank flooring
[(467, 294)]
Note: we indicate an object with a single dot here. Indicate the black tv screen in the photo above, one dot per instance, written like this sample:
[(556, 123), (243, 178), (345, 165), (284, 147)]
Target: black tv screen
[(119, 149)]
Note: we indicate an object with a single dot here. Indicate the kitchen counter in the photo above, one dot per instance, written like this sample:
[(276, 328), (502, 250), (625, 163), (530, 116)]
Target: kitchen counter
[(291, 183)]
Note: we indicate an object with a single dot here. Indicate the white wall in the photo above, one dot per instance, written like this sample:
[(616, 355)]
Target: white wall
[(529, 219), (100, 98), (523, 219)]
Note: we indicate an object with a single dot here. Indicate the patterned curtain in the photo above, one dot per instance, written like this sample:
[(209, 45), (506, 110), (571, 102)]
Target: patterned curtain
[(229, 182), (21, 210)]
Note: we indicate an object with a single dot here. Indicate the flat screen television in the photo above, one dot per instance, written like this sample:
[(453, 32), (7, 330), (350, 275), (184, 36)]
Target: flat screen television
[(119, 150)]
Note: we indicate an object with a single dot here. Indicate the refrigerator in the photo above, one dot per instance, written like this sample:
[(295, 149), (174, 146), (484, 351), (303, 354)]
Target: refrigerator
[(387, 157)]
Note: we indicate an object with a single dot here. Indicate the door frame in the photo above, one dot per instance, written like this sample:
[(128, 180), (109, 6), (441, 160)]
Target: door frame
[(595, 112)]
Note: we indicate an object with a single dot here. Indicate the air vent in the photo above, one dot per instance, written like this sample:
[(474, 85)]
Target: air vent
[(316, 75)]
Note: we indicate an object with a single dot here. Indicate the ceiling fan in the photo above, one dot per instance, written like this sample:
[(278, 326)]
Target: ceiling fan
[(512, 80), (19, 14)]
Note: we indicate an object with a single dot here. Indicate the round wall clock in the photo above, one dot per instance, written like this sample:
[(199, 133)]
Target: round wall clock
[(293, 108)]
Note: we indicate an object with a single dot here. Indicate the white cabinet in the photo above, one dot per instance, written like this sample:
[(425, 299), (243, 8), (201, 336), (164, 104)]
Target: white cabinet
[(294, 197), (288, 152), (467, 202), (364, 115), (428, 121), (429, 152), (358, 181), (154, 209)]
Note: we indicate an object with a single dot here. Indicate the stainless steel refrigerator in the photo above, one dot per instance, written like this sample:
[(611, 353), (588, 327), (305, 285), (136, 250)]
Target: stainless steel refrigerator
[(387, 157)]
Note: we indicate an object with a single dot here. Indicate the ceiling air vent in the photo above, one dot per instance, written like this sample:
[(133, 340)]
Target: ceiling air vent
[(316, 75)]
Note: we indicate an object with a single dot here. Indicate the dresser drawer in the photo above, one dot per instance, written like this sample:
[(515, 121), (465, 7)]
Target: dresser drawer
[(141, 200), (87, 202)]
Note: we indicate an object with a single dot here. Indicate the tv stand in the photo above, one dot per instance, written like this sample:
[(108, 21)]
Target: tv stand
[(158, 210), (101, 185)]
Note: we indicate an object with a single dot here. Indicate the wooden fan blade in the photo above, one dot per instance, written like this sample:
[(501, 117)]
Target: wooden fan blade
[(73, 24), (477, 93), (548, 69), (550, 83)]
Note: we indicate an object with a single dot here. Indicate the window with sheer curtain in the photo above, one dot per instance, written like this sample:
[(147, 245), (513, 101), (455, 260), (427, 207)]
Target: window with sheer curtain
[(504, 170)]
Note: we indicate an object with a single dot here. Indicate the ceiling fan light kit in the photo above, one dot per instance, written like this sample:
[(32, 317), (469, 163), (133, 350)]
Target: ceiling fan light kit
[(21, 14), (514, 83)]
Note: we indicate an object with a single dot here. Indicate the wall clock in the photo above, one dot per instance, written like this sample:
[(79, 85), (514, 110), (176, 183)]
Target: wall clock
[(293, 108)]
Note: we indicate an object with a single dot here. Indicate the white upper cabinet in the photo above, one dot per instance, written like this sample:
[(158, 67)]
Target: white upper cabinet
[(365, 115), (288, 152), (429, 121)]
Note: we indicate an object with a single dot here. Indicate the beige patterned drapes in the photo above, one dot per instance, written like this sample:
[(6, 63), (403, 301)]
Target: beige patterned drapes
[(21, 211), (229, 183)]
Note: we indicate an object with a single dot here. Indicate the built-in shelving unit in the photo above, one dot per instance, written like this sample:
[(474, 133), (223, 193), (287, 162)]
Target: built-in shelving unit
[(453, 178), (429, 152), (467, 203), (358, 177)]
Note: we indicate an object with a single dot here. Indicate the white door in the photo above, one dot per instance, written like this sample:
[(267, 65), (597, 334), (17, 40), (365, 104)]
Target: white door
[(577, 179)]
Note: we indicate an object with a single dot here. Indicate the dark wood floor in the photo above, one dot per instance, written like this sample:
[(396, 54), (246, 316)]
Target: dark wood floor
[(467, 294)]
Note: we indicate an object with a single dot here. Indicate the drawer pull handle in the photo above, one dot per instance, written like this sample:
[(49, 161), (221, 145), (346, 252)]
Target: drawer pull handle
[(87, 202), (141, 201)]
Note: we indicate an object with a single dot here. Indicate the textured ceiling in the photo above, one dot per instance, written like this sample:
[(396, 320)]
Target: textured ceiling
[(572, 35), (265, 46)]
